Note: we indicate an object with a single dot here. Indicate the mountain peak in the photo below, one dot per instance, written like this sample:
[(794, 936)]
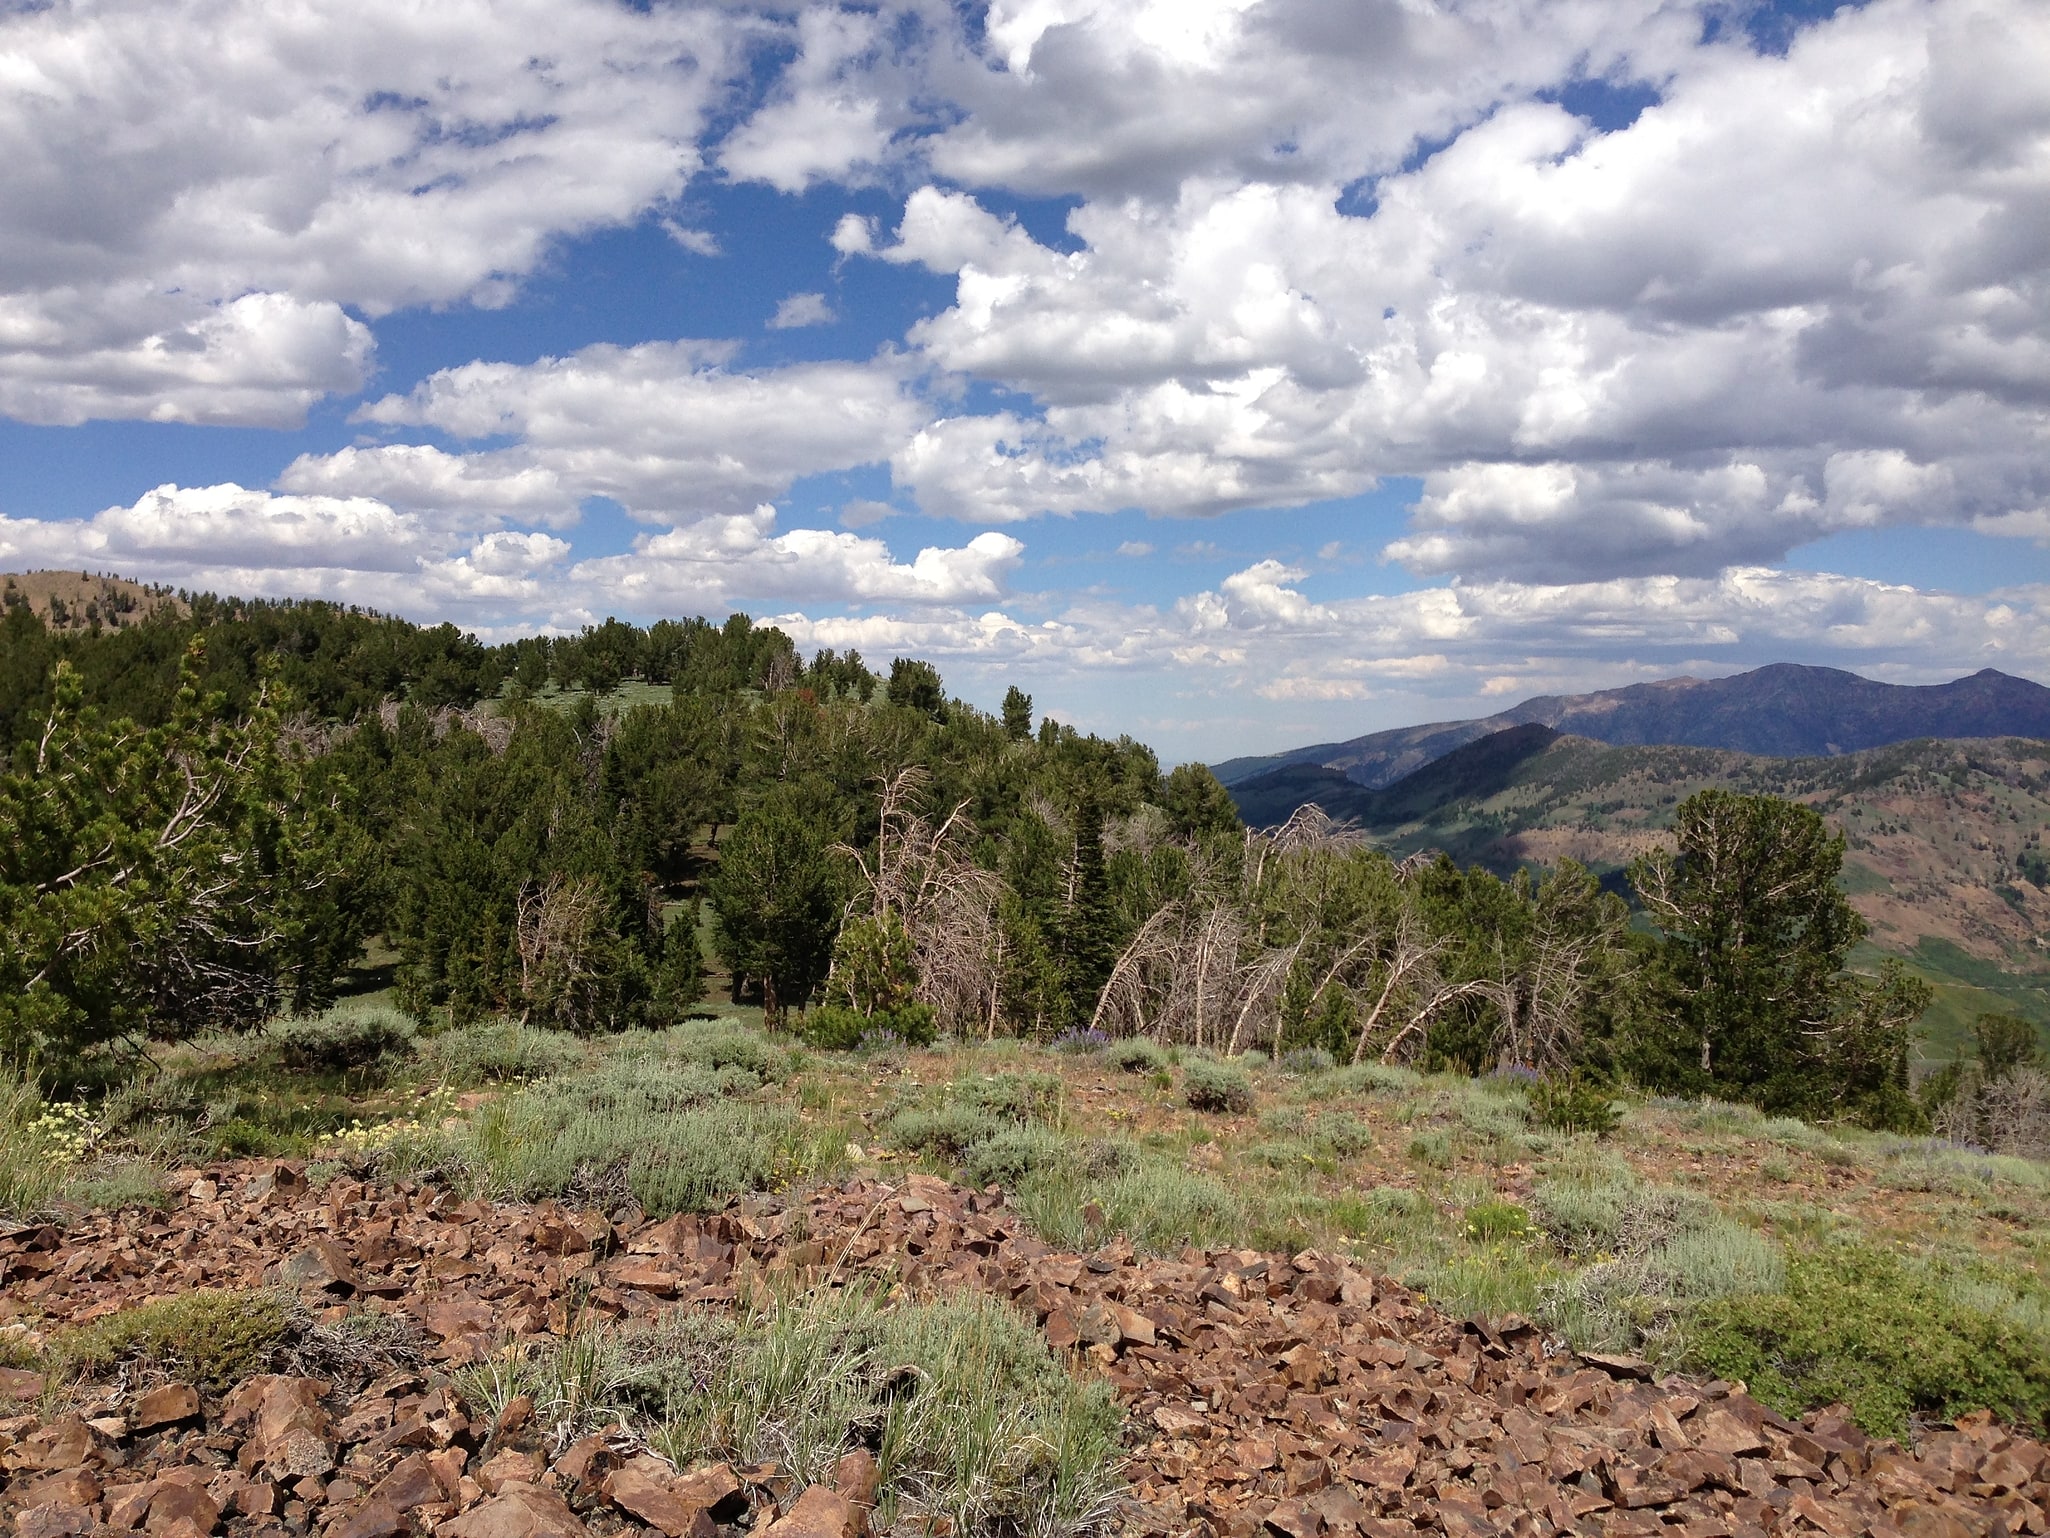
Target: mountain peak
[(1781, 710)]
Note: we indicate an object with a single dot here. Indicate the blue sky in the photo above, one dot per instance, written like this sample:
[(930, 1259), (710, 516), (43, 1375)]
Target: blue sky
[(1233, 372)]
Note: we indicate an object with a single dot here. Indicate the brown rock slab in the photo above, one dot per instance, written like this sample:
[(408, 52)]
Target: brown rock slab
[(177, 1503), (18, 1383), (855, 1477), (818, 1513), (525, 1511), (718, 1489), (321, 1264), (53, 1520), (643, 1496), (71, 1487)]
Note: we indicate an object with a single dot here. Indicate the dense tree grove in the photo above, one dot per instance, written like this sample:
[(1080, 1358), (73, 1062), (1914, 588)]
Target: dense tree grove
[(209, 816)]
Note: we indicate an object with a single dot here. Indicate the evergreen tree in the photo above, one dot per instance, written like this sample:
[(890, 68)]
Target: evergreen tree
[(1196, 804), (917, 686), (148, 876), (1017, 714), (1088, 930), (1756, 936), (776, 896)]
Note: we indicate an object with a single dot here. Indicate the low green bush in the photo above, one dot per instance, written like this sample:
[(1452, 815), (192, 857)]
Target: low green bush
[(1363, 1079), (946, 1131), (29, 1176), (341, 1043), (672, 1136), (838, 1028), (1018, 1097), (975, 1427), (725, 1044), (1431, 1149), (1012, 1153), (212, 1336), (1137, 1055), (498, 1052), (1493, 1221), (1860, 1326), (1152, 1201), (1573, 1105), (1208, 1086)]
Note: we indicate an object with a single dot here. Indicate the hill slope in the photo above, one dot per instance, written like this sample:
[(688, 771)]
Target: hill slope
[(1786, 711), (76, 600), (1947, 858)]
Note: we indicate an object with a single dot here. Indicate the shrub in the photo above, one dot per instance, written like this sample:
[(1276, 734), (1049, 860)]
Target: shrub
[(29, 1177), (1433, 1149), (1573, 1105), (1155, 1203), (1011, 1154), (668, 1134), (1304, 1060), (1208, 1086), (341, 1043), (1616, 1214), (1862, 1327), (837, 1028), (1364, 1079), (498, 1051), (727, 1045), (1080, 1043), (947, 1131), (1138, 1056), (212, 1336), (1019, 1097)]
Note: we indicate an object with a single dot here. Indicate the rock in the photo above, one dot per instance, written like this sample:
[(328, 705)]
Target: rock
[(718, 1489), (273, 1187), (165, 1406), (72, 1487), (321, 1264), (523, 1512), (512, 1468), (20, 1385), (1619, 1366), (53, 1520), (856, 1477), (641, 1495), (176, 1503), (644, 1276), (517, 1412), (65, 1443), (586, 1463), (127, 1505), (818, 1513)]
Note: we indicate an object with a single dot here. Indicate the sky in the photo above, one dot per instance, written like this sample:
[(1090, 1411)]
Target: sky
[(1233, 373)]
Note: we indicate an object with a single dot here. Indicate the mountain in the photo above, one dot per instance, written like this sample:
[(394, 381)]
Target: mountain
[(1783, 711), (1947, 842)]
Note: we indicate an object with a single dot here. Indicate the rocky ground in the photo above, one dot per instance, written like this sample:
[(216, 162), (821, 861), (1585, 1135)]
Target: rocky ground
[(1291, 1396)]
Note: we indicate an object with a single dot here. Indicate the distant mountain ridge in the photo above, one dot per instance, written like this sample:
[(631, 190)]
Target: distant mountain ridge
[(1785, 710)]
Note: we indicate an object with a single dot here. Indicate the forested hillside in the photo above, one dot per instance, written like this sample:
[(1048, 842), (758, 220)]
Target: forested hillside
[(222, 811)]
